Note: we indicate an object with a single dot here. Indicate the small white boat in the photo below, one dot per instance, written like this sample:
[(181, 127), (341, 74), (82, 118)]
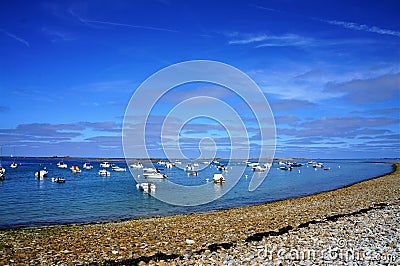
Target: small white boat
[(194, 173), (218, 178), (268, 165), (318, 165), (259, 168), (169, 165), (14, 165), (41, 173), (118, 169), (75, 169), (177, 162), (206, 162), (2, 170), (146, 187), (196, 165), (87, 166), (137, 165), (155, 176), (57, 180), (153, 173), (189, 167), (61, 164), (104, 172), (105, 165), (252, 165)]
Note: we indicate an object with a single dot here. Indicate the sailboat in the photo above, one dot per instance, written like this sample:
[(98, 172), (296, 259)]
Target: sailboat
[(13, 165)]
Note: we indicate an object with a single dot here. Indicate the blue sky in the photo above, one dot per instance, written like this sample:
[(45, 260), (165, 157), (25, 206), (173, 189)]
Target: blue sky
[(329, 69)]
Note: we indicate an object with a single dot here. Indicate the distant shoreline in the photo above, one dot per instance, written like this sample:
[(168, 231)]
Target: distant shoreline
[(200, 159)]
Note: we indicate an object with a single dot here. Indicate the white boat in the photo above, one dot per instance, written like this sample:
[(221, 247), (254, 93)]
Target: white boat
[(169, 165), (41, 173), (318, 165), (61, 164), (153, 173), (146, 187), (252, 165), (2, 170), (189, 167), (137, 165), (105, 165), (57, 180), (268, 165), (75, 169), (177, 162), (104, 172), (14, 165), (87, 166), (206, 162), (196, 165), (259, 168), (218, 178), (155, 176), (118, 169)]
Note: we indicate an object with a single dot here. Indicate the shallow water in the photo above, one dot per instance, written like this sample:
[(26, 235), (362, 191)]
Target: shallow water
[(88, 197)]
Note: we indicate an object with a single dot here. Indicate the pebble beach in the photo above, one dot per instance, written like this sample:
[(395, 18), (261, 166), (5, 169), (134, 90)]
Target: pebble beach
[(358, 225)]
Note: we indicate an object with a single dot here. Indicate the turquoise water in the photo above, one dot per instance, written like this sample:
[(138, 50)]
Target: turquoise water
[(87, 197)]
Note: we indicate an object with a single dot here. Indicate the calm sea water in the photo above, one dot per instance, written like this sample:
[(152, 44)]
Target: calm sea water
[(87, 197)]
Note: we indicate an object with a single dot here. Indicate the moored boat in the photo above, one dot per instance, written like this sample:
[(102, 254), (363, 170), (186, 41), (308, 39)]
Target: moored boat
[(136, 165), (153, 173), (75, 169), (218, 178), (104, 172), (41, 173), (14, 165), (87, 166), (57, 180), (61, 164), (105, 165), (118, 168), (146, 187)]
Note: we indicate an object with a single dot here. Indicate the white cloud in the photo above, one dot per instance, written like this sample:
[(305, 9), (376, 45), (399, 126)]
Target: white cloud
[(263, 40), (250, 39), (362, 27), (15, 37)]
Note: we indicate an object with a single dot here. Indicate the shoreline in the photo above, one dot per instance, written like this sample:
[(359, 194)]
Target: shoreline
[(176, 235)]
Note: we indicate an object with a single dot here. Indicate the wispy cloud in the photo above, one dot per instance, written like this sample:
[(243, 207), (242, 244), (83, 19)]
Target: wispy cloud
[(264, 40), (57, 35), (372, 90), (362, 27), (250, 39), (117, 24), (15, 37)]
